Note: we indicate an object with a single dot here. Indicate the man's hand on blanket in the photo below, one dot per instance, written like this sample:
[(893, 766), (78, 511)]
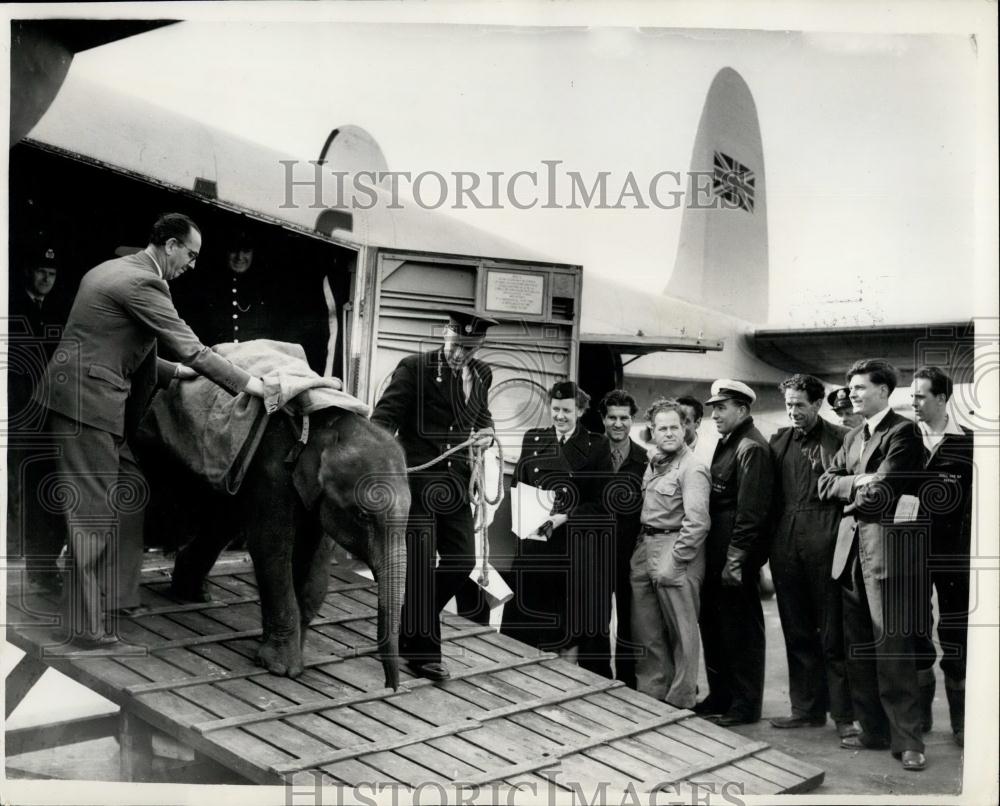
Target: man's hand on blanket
[(255, 387), (184, 373), (484, 438)]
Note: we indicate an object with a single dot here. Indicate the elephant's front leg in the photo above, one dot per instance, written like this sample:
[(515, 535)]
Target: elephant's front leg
[(311, 566), (280, 651), (271, 540)]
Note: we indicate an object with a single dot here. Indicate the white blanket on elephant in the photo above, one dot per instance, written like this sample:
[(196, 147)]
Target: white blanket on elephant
[(214, 434)]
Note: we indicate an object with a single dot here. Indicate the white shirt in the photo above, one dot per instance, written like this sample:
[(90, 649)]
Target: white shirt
[(932, 439), (873, 421)]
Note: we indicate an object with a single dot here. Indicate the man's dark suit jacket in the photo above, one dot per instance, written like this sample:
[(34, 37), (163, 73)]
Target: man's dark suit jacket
[(425, 403), (123, 308), (895, 455)]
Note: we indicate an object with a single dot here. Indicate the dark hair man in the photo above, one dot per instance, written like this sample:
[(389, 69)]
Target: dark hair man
[(946, 500), (35, 321), (668, 565), (877, 561), (98, 381), (732, 621), (801, 555), (435, 401), (618, 409)]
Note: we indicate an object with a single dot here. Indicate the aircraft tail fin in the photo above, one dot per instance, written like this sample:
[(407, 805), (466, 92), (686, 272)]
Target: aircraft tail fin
[(722, 254)]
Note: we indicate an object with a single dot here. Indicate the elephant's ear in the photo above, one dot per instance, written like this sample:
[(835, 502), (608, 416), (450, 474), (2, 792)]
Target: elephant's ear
[(305, 474)]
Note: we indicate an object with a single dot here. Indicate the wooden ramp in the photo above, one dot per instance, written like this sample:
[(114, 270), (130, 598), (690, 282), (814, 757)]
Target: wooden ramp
[(509, 714)]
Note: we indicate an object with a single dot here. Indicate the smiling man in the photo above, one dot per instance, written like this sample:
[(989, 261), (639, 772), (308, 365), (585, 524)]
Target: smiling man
[(877, 561), (668, 565), (628, 460), (801, 555), (732, 621), (96, 386)]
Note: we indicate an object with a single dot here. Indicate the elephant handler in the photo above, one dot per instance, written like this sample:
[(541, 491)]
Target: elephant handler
[(668, 565), (435, 401), (95, 387)]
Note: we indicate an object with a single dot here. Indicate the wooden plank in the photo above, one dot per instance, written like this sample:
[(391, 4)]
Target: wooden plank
[(579, 747), (58, 734), (281, 713), (20, 680), (473, 722)]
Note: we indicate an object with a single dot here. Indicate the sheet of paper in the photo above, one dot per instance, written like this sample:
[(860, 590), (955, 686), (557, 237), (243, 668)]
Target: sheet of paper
[(530, 507), (907, 510), (496, 589)]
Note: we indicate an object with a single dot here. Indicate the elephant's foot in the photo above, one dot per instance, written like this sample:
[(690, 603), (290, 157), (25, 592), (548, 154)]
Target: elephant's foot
[(189, 591), (281, 657)]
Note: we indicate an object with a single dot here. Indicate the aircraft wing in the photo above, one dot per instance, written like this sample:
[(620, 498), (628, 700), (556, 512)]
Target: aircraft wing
[(41, 53), (829, 352)]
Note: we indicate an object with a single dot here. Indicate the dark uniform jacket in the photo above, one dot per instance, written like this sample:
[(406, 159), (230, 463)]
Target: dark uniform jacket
[(800, 511), (946, 493), (895, 454), (742, 483), (123, 308), (426, 405), (563, 586), (33, 332)]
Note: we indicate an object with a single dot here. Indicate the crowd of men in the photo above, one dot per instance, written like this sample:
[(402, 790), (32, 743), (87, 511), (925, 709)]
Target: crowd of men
[(859, 522)]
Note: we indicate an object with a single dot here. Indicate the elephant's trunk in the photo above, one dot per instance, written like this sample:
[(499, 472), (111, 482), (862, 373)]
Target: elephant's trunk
[(389, 567)]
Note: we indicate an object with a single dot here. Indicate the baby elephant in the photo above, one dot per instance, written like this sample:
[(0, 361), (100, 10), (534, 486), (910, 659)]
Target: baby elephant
[(349, 484)]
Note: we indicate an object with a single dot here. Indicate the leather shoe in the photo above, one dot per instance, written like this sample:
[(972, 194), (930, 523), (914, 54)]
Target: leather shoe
[(845, 729), (959, 737), (797, 721), (913, 760), (707, 706), (862, 741), (729, 719), (431, 670)]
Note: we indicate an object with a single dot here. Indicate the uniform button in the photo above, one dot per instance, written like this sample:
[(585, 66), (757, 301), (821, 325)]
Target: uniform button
[(234, 303), (235, 316), (535, 453), (536, 469), (536, 439), (235, 328), (449, 464)]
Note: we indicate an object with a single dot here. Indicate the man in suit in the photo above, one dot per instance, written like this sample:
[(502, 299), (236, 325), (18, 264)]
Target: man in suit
[(876, 560), (801, 555), (435, 401), (732, 621), (36, 318), (628, 460), (95, 386), (946, 501)]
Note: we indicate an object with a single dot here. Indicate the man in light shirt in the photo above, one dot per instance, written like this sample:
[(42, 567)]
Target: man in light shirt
[(877, 562), (668, 565), (946, 500)]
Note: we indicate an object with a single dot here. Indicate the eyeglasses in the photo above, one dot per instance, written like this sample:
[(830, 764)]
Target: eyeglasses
[(192, 255)]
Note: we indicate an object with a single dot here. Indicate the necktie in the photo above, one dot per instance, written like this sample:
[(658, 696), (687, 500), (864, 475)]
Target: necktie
[(616, 458), (866, 433)]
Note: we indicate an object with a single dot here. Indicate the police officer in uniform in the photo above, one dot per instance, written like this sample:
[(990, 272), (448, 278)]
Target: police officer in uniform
[(840, 401), (732, 621), (435, 401)]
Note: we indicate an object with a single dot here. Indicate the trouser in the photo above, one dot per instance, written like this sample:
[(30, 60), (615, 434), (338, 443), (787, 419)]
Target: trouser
[(625, 643), (811, 613), (880, 656), (36, 528), (732, 634), (665, 601), (948, 574), (103, 494), (440, 555)]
